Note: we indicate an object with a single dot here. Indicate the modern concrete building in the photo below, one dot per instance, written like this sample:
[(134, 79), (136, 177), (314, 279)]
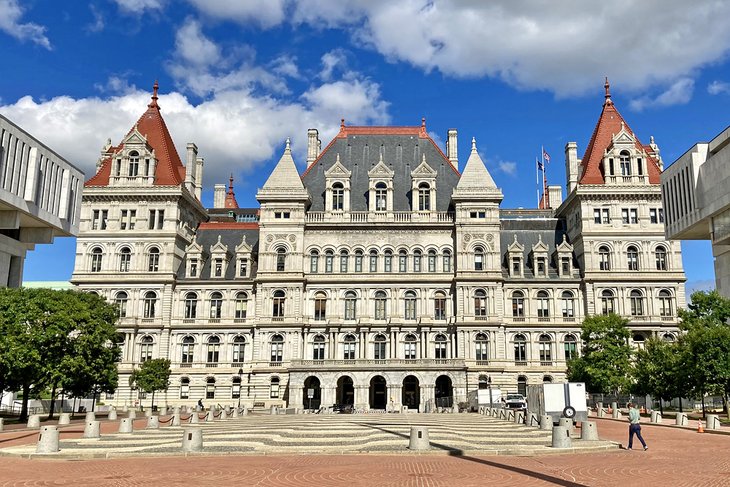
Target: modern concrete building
[(696, 192), (384, 275), (40, 198)]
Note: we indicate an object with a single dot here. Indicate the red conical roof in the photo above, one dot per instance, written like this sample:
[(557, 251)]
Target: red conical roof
[(231, 196), (170, 170), (609, 124)]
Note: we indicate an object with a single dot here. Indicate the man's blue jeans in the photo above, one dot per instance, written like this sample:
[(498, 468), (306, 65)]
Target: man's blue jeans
[(635, 429)]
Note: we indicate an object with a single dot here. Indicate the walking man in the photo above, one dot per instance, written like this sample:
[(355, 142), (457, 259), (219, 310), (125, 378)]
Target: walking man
[(634, 426)]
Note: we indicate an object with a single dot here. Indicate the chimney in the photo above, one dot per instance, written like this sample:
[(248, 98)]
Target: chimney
[(199, 177), (451, 148), (190, 171), (571, 166), (555, 196), (219, 196), (313, 145)]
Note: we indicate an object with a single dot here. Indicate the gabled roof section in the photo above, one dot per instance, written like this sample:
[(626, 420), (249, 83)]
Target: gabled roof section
[(285, 177), (170, 170), (338, 170), (424, 170), (476, 180), (609, 124)]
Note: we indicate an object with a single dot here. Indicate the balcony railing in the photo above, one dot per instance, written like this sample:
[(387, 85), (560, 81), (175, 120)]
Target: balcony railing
[(380, 217), (387, 363)]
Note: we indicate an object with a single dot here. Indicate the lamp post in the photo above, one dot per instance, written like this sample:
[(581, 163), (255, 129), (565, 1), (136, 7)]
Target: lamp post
[(240, 373), (248, 385), (489, 385)]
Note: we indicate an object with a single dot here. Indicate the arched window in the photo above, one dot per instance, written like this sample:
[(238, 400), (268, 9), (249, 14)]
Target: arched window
[(278, 304), (96, 259), (320, 306), (607, 302), (632, 258), (402, 261), (636, 298), (483, 382), (349, 346), (567, 304), (388, 261), (546, 348), (543, 304), (520, 345), (125, 258), (447, 261), (329, 261), (440, 346), (154, 260), (191, 306), (236, 388), (381, 197), (121, 300), (439, 305), (145, 348), (518, 304), (410, 346), (380, 305), (431, 260), (661, 258), (150, 304), (318, 348), (374, 261), (379, 344), (314, 262), (274, 391), (184, 388), (344, 259), (570, 346), (338, 196), (424, 197), (480, 302), (350, 305), (210, 388), (239, 350), (241, 305), (416, 261), (214, 344), (216, 305), (604, 258), (187, 349), (133, 164), (358, 260), (665, 304), (668, 337), (280, 259), (409, 299), (482, 347), (478, 258), (277, 348), (547, 379), (522, 385), (625, 162), (639, 340)]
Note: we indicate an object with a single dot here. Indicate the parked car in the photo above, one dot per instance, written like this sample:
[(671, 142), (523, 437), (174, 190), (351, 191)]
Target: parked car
[(515, 401)]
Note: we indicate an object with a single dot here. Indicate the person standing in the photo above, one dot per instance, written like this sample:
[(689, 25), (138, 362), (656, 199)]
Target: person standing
[(635, 427)]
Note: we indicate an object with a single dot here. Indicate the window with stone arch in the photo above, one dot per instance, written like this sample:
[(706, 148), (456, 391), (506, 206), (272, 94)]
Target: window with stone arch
[(481, 342), (666, 307), (478, 258), (320, 306), (344, 260), (431, 260), (191, 306), (417, 256), (279, 300), (543, 304), (277, 348), (121, 300), (480, 302), (570, 347), (604, 258), (424, 197), (329, 261), (381, 197), (440, 346), (318, 347), (216, 305), (388, 261), (238, 354), (145, 348), (96, 259), (280, 259), (668, 337), (187, 350), (313, 262), (133, 169), (349, 347), (338, 196), (410, 346), (185, 388), (439, 305), (241, 305), (639, 341), (518, 304), (567, 301), (210, 388), (625, 163), (373, 257), (409, 301), (660, 255), (153, 259), (379, 347), (214, 347), (520, 348), (125, 259), (150, 304), (350, 305), (358, 260), (274, 388), (636, 298), (447, 260), (402, 261), (380, 305), (545, 345), (608, 304), (632, 258)]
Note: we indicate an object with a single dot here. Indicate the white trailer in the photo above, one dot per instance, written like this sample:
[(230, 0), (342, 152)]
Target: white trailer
[(481, 397), (561, 400)]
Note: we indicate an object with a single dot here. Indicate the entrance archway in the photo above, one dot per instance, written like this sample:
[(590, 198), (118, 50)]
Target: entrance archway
[(378, 392), (444, 392), (312, 393), (345, 391), (411, 392)]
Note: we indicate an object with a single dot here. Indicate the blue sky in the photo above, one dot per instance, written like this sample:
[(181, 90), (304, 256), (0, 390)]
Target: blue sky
[(238, 77)]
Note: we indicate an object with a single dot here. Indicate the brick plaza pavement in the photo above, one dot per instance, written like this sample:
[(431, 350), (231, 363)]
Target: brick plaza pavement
[(675, 458)]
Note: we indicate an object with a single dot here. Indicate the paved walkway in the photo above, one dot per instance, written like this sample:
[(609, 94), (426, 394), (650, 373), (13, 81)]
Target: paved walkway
[(676, 457)]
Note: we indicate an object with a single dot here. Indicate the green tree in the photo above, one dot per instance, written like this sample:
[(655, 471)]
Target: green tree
[(658, 370), (152, 376), (605, 363)]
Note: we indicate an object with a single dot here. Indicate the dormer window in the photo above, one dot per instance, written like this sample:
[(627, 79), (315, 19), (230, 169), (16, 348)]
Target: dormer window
[(193, 268), (625, 162), (540, 267), (516, 266), (218, 267), (565, 266), (133, 164), (424, 197), (338, 196), (381, 197), (242, 267)]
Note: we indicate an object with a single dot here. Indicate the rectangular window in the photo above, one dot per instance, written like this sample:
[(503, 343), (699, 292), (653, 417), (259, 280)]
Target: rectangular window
[(653, 216), (328, 263), (318, 351), (374, 263), (184, 391), (606, 215), (634, 215), (193, 267), (349, 351), (541, 267), (625, 216), (128, 219), (439, 309), (242, 267), (156, 219), (597, 216), (402, 263), (343, 263), (432, 263), (410, 350), (661, 215), (99, 219), (358, 263), (516, 266), (565, 265), (379, 351), (440, 351), (218, 268), (388, 261)]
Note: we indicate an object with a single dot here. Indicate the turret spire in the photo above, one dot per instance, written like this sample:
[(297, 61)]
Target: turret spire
[(153, 103), (607, 86)]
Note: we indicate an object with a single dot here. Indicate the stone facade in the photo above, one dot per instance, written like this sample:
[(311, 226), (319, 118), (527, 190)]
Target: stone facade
[(381, 277)]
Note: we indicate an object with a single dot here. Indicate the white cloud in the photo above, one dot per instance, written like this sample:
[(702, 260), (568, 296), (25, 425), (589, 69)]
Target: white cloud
[(679, 93), (10, 23), (507, 167), (267, 13), (139, 6), (334, 59), (718, 87), (193, 47), (286, 65), (98, 24), (116, 84)]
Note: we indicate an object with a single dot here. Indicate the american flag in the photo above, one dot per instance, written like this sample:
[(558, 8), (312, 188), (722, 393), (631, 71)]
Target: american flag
[(546, 156)]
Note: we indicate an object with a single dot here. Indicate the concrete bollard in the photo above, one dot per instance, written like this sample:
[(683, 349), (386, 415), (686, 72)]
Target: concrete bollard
[(244, 411), (234, 413), (112, 415), (223, 415), (2, 424), (419, 438), (519, 417), (125, 408), (91, 429), (599, 406), (34, 421), (148, 413), (210, 417), (713, 422), (561, 437), (566, 423), (48, 440), (652, 417), (90, 416), (175, 420), (533, 420), (546, 422), (681, 419), (510, 415), (274, 410), (132, 414), (588, 431), (194, 418), (601, 412), (176, 410), (64, 418), (614, 406), (192, 439), (153, 422), (126, 425)]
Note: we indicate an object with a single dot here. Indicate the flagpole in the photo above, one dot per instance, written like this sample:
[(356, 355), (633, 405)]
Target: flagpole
[(542, 160)]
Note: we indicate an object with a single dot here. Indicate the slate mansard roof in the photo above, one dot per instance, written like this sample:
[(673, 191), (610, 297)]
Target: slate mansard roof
[(402, 149), (231, 235), (530, 231)]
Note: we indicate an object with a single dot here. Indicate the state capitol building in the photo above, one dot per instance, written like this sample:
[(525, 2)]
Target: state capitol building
[(383, 275)]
